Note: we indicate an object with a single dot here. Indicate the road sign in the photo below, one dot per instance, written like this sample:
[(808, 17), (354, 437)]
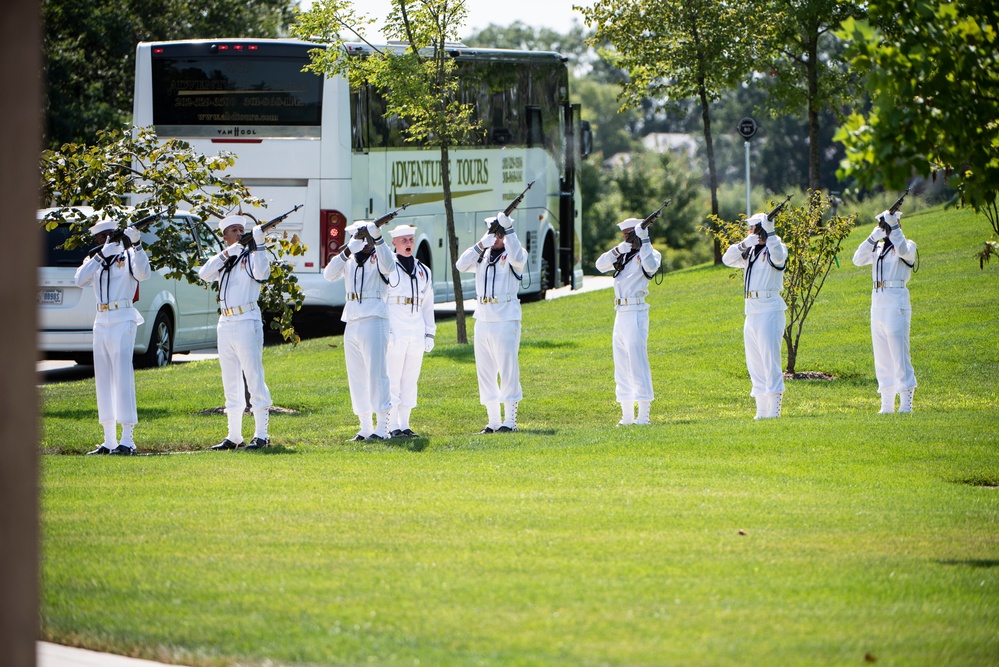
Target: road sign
[(747, 128)]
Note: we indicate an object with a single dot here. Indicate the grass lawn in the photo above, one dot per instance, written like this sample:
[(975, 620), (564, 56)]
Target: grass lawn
[(832, 536)]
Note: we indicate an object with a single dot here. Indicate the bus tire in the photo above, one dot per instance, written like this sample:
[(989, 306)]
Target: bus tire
[(160, 350)]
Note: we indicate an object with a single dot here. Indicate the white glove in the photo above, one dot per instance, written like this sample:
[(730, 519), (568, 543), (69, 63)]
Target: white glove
[(623, 248), (111, 249), (504, 220), (235, 249), (133, 234), (768, 225), (355, 245), (258, 236), (487, 240), (428, 343), (641, 232), (750, 241), (877, 233), (374, 231), (892, 219)]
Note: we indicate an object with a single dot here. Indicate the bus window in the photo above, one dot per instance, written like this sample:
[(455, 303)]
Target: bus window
[(205, 90)]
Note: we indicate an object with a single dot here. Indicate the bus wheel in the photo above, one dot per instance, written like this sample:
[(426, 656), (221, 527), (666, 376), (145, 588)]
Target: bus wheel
[(160, 350)]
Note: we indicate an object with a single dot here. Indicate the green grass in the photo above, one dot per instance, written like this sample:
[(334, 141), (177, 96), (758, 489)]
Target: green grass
[(572, 542)]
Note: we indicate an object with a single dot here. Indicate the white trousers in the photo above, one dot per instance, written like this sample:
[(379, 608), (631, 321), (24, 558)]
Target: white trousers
[(113, 372), (365, 341), (762, 334), (496, 347), (632, 374), (405, 359), (892, 363), (241, 353)]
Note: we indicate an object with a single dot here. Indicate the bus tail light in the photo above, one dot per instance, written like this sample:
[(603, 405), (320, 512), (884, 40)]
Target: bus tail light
[(332, 226)]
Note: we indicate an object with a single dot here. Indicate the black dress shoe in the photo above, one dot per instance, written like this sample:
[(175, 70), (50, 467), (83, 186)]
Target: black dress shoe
[(397, 433), (506, 429), (259, 443), (357, 438), (375, 436), (487, 429), (122, 450), (227, 444), (101, 449), (408, 433)]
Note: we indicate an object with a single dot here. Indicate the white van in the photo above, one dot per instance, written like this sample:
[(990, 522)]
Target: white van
[(179, 316)]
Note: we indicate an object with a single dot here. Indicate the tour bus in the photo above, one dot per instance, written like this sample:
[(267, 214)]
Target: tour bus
[(300, 138)]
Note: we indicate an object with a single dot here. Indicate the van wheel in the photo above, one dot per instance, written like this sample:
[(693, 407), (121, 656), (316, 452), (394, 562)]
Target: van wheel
[(160, 350)]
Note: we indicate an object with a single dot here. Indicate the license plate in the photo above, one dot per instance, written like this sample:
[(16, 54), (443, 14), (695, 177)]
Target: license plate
[(50, 297)]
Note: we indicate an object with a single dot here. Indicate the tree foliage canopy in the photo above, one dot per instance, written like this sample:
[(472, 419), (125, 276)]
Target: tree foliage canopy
[(90, 51), (933, 77)]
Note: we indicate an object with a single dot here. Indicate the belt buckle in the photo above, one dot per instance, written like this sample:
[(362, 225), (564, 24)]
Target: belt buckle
[(102, 307)]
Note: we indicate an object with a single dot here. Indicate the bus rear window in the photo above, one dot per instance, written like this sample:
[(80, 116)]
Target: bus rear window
[(207, 95)]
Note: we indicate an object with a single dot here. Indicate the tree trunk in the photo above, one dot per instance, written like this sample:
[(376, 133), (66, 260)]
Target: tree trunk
[(452, 244), (792, 353), (712, 172), (814, 149)]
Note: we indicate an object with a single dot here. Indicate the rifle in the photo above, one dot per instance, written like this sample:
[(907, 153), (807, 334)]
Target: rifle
[(758, 228), (118, 235), (248, 236), (362, 233), (496, 228), (652, 217), (778, 208), (632, 237), (893, 210)]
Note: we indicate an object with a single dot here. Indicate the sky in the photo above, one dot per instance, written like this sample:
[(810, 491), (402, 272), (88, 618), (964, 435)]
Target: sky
[(554, 14)]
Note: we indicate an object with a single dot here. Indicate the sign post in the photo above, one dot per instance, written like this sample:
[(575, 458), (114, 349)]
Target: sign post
[(747, 128)]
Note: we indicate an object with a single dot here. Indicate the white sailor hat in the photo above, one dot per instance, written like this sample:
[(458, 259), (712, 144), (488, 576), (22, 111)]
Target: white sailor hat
[(757, 219), (630, 223), (354, 227), (231, 220), (104, 224), (403, 230)]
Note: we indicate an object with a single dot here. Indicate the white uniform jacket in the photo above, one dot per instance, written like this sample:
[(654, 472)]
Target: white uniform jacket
[(365, 284), (239, 281), (497, 279), (631, 283), (764, 274), (891, 267), (410, 300), (115, 280)]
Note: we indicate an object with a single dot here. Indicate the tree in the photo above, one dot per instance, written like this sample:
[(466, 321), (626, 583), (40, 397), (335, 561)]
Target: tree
[(932, 72), (419, 81), (163, 176), (90, 52), (636, 189), (674, 49), (812, 245), (803, 64)]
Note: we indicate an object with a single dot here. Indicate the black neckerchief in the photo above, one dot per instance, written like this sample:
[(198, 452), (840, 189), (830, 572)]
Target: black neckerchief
[(622, 261), (753, 255)]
